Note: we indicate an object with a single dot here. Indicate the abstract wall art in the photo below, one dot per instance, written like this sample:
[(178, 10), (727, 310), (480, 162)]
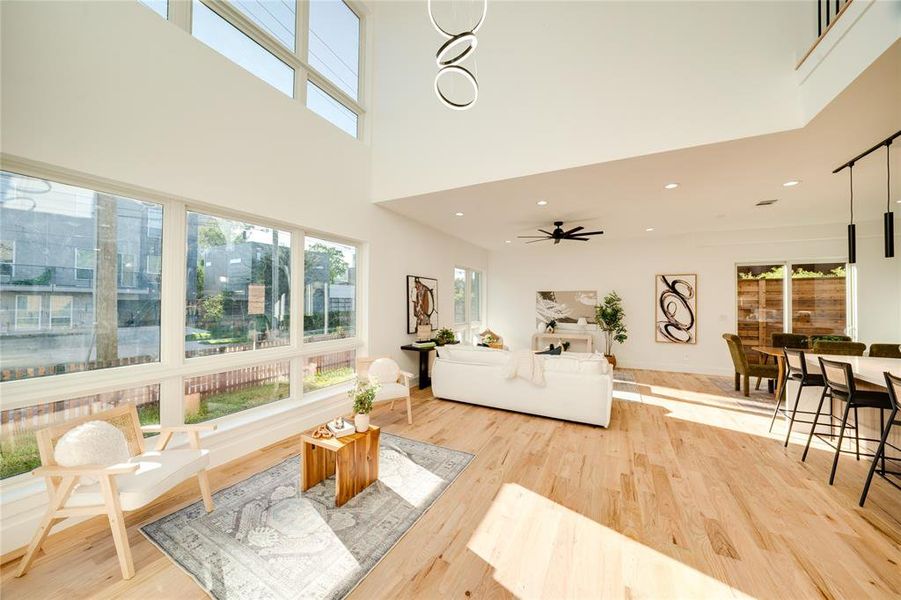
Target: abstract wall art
[(422, 302), (676, 308), (565, 307)]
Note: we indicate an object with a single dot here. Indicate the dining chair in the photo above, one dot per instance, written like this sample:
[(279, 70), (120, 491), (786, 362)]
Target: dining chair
[(394, 384), (893, 384), (796, 370), (789, 340), (744, 370), (885, 350), (840, 385), (843, 348)]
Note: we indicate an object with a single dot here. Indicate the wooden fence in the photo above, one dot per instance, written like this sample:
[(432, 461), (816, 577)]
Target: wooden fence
[(818, 307)]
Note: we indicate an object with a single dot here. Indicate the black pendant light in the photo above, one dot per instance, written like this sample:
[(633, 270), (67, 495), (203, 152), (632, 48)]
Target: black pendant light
[(888, 219), (852, 228)]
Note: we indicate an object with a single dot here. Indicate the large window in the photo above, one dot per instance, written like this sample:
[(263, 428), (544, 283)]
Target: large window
[(321, 65), (81, 308), (228, 40), (330, 290), (813, 295), (238, 286), (64, 309), (335, 44), (467, 304)]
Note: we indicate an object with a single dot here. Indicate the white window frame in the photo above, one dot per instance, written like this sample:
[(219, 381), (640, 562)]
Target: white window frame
[(469, 328), (180, 15), (40, 312), (173, 367), (71, 314)]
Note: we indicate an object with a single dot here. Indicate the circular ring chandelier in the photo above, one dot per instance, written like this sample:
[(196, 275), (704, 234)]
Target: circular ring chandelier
[(452, 46)]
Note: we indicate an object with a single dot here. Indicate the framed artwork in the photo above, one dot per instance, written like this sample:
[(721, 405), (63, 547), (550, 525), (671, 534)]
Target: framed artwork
[(676, 308), (422, 302), (565, 307)]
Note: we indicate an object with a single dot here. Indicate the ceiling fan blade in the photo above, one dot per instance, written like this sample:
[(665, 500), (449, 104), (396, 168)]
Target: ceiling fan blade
[(573, 230), (543, 237), (590, 233), (556, 240), (578, 239), (541, 240), (546, 232)]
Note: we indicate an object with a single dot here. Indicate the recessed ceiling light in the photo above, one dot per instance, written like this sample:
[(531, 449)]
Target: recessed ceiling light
[(541, 203), (506, 241), (791, 183), (459, 214), (671, 186), (649, 229)]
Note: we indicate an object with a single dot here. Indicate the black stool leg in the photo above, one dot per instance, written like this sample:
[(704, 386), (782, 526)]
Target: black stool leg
[(813, 427), (882, 428), (856, 434), (778, 404), (841, 436), (791, 421), (880, 453)]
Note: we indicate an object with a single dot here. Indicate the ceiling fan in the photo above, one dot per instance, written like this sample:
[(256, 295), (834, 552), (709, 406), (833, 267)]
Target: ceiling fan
[(558, 234)]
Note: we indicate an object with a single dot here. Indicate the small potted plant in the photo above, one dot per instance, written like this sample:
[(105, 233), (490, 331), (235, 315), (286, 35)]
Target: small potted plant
[(611, 320), (363, 395), (445, 336)]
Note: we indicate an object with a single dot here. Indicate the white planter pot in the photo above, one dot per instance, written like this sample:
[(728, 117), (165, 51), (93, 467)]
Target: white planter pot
[(361, 422)]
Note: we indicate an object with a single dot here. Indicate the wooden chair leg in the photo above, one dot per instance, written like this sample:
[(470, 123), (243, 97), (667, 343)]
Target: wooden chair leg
[(117, 526), (204, 482), (47, 523), (746, 385), (737, 382), (409, 409)]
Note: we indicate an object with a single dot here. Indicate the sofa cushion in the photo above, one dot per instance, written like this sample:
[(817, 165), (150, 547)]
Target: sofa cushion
[(583, 363), (157, 473), (484, 356)]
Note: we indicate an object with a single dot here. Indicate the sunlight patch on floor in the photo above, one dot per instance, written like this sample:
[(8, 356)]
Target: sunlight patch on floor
[(417, 484), (540, 549)]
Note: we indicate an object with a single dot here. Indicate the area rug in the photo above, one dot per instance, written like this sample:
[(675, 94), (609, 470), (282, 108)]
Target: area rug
[(266, 540)]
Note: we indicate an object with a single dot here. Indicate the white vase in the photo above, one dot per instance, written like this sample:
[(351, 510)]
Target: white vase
[(361, 422)]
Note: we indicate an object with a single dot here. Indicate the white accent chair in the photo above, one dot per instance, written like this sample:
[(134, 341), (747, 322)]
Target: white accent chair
[(394, 384), (122, 487)]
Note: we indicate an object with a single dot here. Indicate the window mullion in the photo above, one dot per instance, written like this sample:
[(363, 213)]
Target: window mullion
[(180, 12), (297, 312), (172, 311)]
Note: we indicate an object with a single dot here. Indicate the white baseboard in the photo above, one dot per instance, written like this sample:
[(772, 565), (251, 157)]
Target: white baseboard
[(24, 502)]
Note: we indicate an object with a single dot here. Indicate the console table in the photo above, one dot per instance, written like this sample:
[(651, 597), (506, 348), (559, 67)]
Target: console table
[(424, 379), (584, 340)]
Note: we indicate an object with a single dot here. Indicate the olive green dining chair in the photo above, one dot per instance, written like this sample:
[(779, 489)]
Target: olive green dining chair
[(885, 350), (793, 341), (743, 370), (839, 348)]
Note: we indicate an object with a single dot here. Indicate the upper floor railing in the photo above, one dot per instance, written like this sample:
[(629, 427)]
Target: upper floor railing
[(827, 12)]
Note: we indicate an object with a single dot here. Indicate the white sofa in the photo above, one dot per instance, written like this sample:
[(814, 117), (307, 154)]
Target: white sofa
[(578, 387)]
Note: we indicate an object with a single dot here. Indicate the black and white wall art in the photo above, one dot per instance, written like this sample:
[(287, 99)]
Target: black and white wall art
[(565, 307), (676, 308), (422, 302)]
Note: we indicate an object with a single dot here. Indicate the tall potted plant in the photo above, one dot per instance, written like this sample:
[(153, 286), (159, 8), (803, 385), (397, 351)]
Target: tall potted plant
[(611, 319)]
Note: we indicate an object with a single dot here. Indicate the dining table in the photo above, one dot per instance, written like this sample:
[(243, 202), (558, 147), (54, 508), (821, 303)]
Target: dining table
[(868, 369)]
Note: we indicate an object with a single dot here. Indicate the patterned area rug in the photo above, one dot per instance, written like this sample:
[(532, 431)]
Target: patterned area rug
[(266, 540)]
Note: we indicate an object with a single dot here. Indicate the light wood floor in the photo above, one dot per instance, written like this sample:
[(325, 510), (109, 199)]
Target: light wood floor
[(685, 495)]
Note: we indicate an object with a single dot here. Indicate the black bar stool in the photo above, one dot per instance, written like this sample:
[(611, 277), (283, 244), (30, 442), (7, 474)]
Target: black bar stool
[(894, 395), (796, 370), (839, 379)]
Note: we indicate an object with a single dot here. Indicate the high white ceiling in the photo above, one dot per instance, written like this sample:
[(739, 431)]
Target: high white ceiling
[(719, 184)]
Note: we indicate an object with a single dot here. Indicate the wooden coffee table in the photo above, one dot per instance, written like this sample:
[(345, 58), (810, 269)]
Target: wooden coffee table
[(353, 459)]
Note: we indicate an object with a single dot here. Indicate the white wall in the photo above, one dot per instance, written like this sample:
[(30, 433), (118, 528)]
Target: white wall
[(112, 90), (629, 268)]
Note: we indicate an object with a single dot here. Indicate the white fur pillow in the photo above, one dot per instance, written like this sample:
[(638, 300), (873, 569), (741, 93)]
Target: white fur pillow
[(91, 443)]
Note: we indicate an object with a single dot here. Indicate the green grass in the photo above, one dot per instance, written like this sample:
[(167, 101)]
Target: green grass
[(225, 340), (324, 379), (20, 454), (227, 403)]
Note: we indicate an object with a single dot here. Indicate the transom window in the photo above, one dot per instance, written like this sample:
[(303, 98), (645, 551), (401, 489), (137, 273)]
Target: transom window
[(335, 44)]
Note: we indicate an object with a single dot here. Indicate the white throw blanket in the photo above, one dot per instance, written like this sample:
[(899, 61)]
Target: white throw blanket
[(526, 365)]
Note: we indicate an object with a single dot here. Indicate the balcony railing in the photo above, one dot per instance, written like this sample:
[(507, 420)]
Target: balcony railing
[(827, 12)]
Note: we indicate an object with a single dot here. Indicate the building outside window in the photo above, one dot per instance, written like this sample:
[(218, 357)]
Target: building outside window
[(330, 290)]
